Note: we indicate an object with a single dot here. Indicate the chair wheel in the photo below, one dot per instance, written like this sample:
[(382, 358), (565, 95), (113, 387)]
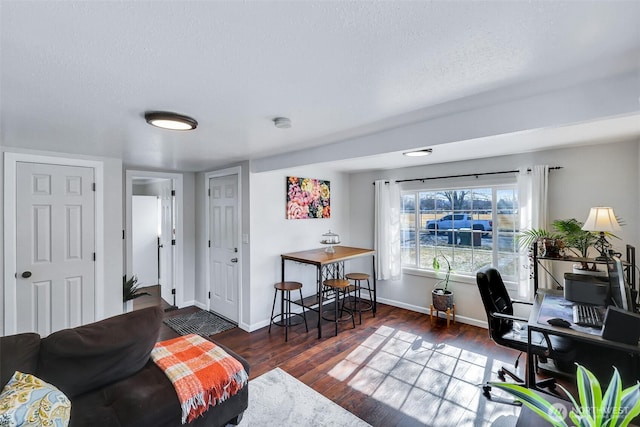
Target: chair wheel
[(501, 375)]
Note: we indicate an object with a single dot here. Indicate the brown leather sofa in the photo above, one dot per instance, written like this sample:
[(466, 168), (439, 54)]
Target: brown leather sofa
[(105, 370)]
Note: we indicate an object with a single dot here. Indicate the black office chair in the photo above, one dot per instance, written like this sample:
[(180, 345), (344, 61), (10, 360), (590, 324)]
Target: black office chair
[(504, 330)]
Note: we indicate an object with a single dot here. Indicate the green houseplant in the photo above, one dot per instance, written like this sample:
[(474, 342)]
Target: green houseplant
[(567, 234), (130, 289), (616, 408), (441, 296)]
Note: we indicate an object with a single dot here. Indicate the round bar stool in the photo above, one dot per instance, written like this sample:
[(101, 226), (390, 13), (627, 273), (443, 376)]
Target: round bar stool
[(339, 286), (355, 289), (285, 308)]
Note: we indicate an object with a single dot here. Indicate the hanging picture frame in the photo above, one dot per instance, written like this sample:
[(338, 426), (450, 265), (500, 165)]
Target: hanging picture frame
[(308, 198)]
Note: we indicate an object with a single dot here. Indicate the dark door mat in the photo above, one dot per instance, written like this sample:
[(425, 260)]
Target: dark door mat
[(203, 323)]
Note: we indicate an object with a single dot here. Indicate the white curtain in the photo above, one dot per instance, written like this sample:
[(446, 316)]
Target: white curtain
[(532, 194), (387, 230)]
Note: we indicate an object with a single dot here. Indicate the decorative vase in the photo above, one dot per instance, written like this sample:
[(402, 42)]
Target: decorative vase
[(551, 248), (442, 299)]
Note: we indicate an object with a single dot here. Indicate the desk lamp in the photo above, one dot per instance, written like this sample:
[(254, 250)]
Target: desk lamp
[(602, 220)]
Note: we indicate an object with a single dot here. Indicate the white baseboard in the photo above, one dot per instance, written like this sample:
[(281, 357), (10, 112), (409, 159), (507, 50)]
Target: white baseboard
[(187, 304), (200, 305), (461, 319)]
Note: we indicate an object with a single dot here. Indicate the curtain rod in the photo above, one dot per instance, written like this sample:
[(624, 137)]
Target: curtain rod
[(466, 175)]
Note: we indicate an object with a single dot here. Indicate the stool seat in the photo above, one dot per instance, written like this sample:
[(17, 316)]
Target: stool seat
[(287, 286), (358, 303), (286, 314), (339, 286), (357, 276), (336, 283)]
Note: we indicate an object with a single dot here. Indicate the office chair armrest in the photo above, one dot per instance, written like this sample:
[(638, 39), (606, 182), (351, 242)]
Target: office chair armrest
[(508, 317), (515, 301)]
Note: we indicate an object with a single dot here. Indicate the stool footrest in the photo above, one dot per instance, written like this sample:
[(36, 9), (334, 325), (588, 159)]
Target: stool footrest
[(345, 316), (289, 321)]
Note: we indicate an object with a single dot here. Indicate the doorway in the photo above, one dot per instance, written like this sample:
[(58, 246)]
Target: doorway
[(153, 235), (224, 261)]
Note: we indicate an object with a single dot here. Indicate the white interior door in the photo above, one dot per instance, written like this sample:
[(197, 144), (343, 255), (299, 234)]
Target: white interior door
[(223, 253), (55, 250), (145, 219)]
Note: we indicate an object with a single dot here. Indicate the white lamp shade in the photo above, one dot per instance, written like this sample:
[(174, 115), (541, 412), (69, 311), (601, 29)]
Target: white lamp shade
[(601, 219)]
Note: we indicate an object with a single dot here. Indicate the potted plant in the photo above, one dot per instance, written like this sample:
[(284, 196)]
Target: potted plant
[(130, 292), (441, 296), (568, 235), (617, 408)]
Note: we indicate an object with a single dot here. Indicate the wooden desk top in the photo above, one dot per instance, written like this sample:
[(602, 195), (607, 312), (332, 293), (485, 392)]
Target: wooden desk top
[(319, 257)]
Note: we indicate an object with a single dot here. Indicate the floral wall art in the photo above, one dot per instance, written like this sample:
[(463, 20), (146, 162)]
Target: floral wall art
[(308, 198)]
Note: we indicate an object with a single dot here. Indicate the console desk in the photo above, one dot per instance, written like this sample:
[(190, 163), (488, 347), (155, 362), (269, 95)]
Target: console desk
[(328, 266), (563, 308)]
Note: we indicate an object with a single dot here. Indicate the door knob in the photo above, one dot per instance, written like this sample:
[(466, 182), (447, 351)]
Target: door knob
[(234, 259), (26, 274)]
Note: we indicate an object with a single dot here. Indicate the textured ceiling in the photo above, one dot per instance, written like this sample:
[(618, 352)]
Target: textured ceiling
[(77, 76)]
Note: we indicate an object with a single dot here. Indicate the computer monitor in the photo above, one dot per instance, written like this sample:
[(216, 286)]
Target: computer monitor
[(618, 290)]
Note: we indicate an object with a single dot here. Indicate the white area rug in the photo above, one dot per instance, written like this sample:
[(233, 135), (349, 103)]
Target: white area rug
[(278, 399)]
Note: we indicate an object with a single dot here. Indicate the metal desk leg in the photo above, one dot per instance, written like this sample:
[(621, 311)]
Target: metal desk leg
[(282, 269), (320, 302), (530, 375)]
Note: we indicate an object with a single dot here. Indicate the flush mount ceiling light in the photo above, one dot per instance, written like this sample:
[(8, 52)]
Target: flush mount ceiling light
[(282, 122), (172, 121), (419, 153)]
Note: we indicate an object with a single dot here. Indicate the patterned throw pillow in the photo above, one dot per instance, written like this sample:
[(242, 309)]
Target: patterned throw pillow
[(29, 401)]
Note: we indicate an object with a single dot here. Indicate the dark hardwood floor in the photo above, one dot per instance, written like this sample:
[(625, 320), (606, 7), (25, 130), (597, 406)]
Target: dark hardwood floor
[(378, 371)]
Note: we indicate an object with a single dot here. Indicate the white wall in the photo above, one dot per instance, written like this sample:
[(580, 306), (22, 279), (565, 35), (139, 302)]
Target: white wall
[(601, 175), (113, 225), (272, 234)]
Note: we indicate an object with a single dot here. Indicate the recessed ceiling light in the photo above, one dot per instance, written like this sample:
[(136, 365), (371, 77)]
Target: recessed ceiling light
[(172, 121), (282, 122), (419, 153)]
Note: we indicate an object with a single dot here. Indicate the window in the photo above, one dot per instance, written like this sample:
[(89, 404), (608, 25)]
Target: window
[(472, 227)]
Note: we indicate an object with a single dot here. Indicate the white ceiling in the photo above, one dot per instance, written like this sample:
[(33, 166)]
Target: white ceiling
[(77, 76)]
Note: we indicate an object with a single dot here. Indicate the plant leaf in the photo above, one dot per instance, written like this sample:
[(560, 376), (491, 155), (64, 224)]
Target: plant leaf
[(590, 393), (579, 420), (571, 398), (630, 403), (533, 401), (526, 237), (609, 410)]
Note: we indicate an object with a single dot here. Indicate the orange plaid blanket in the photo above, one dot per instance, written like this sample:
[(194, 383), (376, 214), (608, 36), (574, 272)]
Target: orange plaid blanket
[(202, 373)]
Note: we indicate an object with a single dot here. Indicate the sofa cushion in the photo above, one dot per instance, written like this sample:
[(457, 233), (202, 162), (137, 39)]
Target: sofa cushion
[(18, 353), (28, 401), (88, 357), (148, 399)]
